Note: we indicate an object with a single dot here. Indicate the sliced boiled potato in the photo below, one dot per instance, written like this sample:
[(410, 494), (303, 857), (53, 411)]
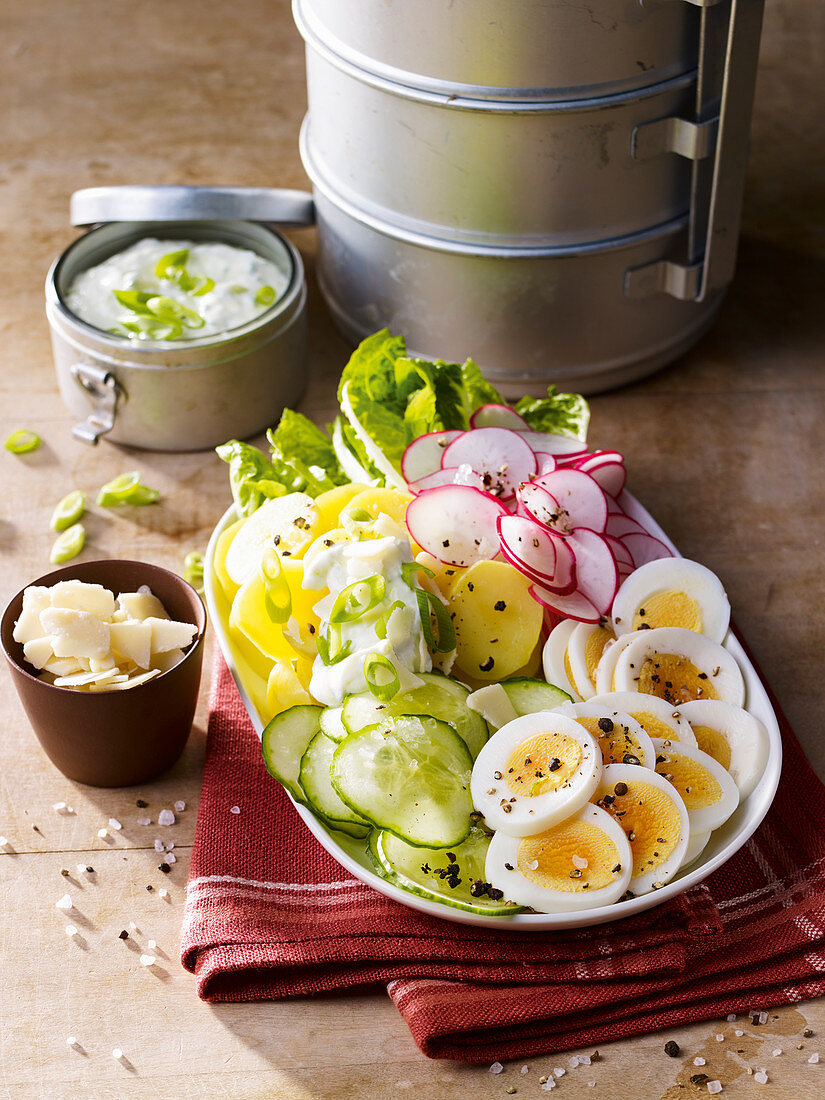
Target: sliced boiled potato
[(219, 559), (324, 541), (331, 503), (289, 524), (249, 617), (284, 689), (497, 622), (445, 576), (388, 502), (303, 600)]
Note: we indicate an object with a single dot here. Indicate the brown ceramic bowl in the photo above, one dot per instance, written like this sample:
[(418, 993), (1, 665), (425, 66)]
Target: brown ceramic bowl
[(114, 738)]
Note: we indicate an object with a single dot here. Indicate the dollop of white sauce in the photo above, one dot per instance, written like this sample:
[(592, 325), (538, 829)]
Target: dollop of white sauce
[(238, 273), (404, 646)]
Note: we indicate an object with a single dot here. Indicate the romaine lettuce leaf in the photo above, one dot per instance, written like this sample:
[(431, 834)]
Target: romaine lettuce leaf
[(252, 477), (558, 413)]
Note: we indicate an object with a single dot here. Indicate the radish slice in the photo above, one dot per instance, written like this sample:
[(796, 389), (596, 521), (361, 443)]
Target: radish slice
[(542, 556), (560, 445), (500, 455), (539, 504), (452, 475), (607, 470), (597, 577), (423, 456), (582, 501), (619, 526), (620, 552), (613, 507), (574, 606), (596, 458), (644, 548), (498, 416), (546, 462), (455, 523)]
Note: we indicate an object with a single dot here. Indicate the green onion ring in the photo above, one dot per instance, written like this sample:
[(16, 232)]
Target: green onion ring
[(23, 441), (350, 605), (427, 603), (68, 510), (376, 667), (193, 570), (68, 544), (382, 624), (277, 596), (409, 570), (126, 489), (265, 296)]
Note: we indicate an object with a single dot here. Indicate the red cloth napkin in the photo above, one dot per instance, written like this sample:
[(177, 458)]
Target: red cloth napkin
[(270, 914)]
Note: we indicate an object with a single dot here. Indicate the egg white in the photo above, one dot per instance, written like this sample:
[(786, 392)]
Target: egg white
[(744, 734), (716, 812), (666, 719), (644, 784), (696, 845), (553, 657), (584, 648), (606, 667), (673, 592), (505, 755), (506, 870), (626, 724), (719, 668)]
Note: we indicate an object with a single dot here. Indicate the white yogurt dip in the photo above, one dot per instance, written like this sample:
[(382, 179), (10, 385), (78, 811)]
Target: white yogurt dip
[(176, 290)]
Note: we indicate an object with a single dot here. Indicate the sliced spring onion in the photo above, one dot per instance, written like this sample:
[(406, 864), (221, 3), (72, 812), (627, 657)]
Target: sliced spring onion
[(193, 570), (265, 296), (169, 265), (134, 300), (358, 599), (68, 544), (171, 310), (410, 569), (201, 284), (427, 603), (126, 489), (22, 441), (382, 624), (68, 510), (331, 649), (277, 596), (381, 677)]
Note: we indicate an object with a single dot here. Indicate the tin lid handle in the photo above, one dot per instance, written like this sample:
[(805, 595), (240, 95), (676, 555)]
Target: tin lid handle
[(172, 203), (729, 75)]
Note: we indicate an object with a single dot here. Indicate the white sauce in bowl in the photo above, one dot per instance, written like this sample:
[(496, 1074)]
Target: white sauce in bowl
[(244, 285)]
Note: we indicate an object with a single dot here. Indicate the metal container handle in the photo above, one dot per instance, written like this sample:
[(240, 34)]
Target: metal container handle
[(104, 392), (719, 181), (172, 203)]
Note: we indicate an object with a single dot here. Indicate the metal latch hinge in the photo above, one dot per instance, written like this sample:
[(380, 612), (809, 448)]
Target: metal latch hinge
[(104, 390), (694, 140), (665, 277)]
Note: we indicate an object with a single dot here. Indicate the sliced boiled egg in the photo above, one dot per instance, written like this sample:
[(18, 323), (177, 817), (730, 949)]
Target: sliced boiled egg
[(733, 737), (696, 845), (707, 790), (654, 818), (583, 862), (585, 646), (554, 658), (607, 663), (621, 738), (678, 665), (672, 592), (656, 716), (534, 772)]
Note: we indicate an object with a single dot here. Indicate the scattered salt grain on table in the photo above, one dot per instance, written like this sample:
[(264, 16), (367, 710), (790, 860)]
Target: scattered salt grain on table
[(117, 1054), (102, 833), (585, 1059), (720, 1038), (761, 1077), (144, 821), (496, 1067), (162, 892), (159, 845), (738, 1033), (4, 842), (169, 857), (732, 1017), (115, 824), (147, 960), (699, 1061), (763, 1017), (166, 817), (559, 1071), (525, 1069), (574, 1061), (151, 945), (71, 931), (714, 1087), (813, 1060), (179, 806), (777, 1052), (549, 1084), (65, 902)]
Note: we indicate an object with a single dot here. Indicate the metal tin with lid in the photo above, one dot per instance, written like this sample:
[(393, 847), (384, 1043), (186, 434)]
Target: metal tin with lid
[(181, 395)]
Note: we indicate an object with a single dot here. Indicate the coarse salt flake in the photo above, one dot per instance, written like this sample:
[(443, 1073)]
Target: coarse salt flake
[(763, 1017), (151, 945), (65, 902), (71, 1041), (179, 806), (714, 1087), (59, 807), (147, 960), (162, 892), (738, 1033), (117, 1054), (761, 1077), (144, 821), (71, 931), (496, 1067), (813, 1060), (732, 1017), (133, 926), (102, 833), (720, 1038), (115, 824), (4, 842), (80, 868), (585, 1059), (699, 1061), (169, 857), (591, 1084), (777, 1052), (159, 845), (549, 1084), (166, 817), (559, 1071), (169, 846), (237, 810), (525, 1069)]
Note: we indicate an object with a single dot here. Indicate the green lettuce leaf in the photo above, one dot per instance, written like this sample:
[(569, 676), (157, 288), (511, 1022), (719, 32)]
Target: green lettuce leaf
[(252, 477), (558, 413), (303, 455)]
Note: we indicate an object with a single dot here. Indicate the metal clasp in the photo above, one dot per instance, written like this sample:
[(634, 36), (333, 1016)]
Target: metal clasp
[(103, 388), (694, 140)]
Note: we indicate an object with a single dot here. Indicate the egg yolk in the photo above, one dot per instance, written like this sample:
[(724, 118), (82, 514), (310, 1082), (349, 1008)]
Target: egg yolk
[(569, 673), (617, 742), (669, 609), (543, 763), (674, 678), (594, 647), (650, 819), (714, 744), (697, 786), (655, 727), (547, 859)]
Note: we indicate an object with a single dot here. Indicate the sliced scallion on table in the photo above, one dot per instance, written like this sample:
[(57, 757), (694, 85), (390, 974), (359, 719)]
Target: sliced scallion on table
[(68, 510), (68, 544), (126, 489), (23, 441), (193, 570)]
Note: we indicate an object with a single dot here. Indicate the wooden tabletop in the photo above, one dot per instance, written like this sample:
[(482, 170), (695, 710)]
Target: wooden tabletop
[(725, 448)]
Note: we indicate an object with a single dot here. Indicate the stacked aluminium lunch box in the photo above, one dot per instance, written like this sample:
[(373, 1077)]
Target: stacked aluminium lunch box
[(552, 188)]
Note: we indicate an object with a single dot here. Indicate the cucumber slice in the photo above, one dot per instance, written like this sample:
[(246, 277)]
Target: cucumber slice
[(332, 725), (416, 870), (438, 697), (409, 775), (320, 794), (284, 742), (530, 696)]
